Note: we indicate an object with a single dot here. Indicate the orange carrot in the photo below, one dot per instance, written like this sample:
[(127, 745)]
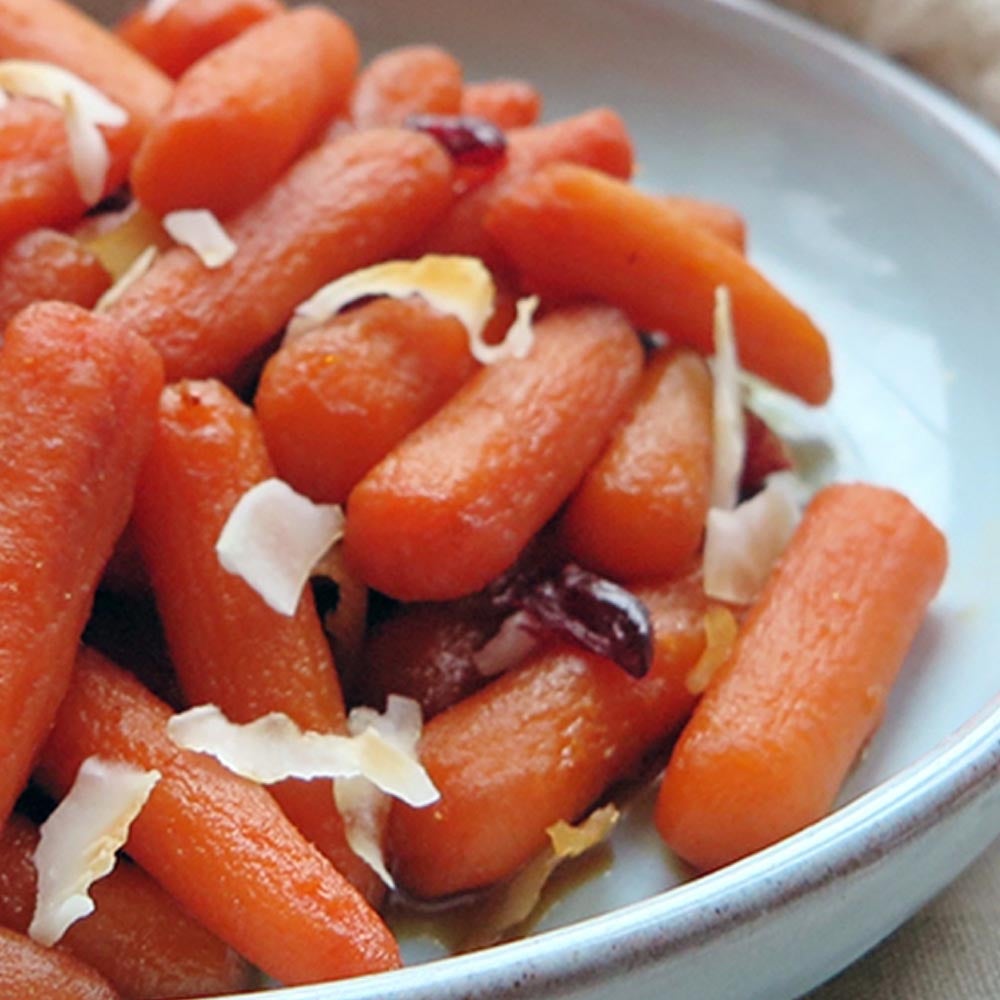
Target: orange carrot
[(29, 970), (507, 103), (228, 647), (595, 139), (137, 937), (455, 502), (244, 112), (770, 744), (37, 184), (57, 32), (415, 79), (720, 220), (345, 205), (540, 744), (44, 265), (640, 511), (632, 250), (191, 29), (333, 402), (76, 417), (217, 843)]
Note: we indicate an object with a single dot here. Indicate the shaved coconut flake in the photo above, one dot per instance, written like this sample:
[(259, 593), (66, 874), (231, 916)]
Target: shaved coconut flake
[(136, 270), (273, 748), (516, 639), (510, 904), (459, 286), (80, 839), (721, 629), (157, 10), (273, 539), (363, 806), (729, 438), (84, 108), (742, 545), (517, 343), (199, 230)]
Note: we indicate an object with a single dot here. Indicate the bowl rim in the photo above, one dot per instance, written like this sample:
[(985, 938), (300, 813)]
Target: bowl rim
[(951, 776)]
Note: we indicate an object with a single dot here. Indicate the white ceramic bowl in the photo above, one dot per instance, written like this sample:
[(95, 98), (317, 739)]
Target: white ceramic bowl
[(875, 202)]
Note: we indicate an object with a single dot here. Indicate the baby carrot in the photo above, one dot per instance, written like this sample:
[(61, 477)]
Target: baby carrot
[(456, 501), (507, 103), (540, 744), (48, 265), (414, 79), (770, 744), (333, 402), (721, 221), (345, 205), (190, 29), (77, 406), (218, 844), (640, 510), (29, 970), (57, 32), (244, 112), (137, 937), (228, 647), (634, 251), (596, 138)]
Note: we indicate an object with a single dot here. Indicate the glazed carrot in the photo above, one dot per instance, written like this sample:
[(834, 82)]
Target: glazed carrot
[(77, 406), (640, 510), (540, 744), (29, 970), (37, 184), (595, 139), (770, 744), (137, 937), (455, 502), (190, 29), (632, 250), (333, 402), (414, 79), (507, 103), (244, 112), (720, 220), (217, 843), (57, 32), (228, 647), (47, 264), (347, 204)]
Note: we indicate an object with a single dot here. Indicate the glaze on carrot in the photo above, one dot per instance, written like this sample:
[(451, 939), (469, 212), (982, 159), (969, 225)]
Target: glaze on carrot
[(229, 648), (347, 204), (720, 220), (48, 265), (137, 937), (413, 79), (456, 501), (506, 103), (540, 744), (77, 407), (190, 29), (769, 746), (634, 251), (218, 844), (333, 402), (640, 510), (241, 115), (29, 970)]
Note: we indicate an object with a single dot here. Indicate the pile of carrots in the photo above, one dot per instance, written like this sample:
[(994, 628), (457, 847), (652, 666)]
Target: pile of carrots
[(128, 433)]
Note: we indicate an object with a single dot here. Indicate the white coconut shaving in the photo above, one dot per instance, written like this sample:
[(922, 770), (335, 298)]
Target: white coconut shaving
[(136, 270), (518, 341), (199, 230), (728, 431)]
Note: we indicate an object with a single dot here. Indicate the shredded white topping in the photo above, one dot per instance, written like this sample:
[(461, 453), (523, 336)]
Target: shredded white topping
[(273, 748), (200, 231), (135, 271), (742, 545), (729, 436), (84, 108), (517, 343), (512, 644), (80, 839), (273, 539)]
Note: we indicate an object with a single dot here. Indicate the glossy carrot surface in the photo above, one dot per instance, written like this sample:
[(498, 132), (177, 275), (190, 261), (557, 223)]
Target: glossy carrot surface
[(414, 79), (29, 970)]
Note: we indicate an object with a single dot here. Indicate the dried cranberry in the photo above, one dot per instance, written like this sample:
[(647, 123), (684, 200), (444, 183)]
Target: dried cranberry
[(471, 142)]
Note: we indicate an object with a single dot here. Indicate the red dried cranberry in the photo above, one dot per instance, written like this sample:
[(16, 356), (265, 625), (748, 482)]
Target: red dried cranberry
[(471, 142)]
